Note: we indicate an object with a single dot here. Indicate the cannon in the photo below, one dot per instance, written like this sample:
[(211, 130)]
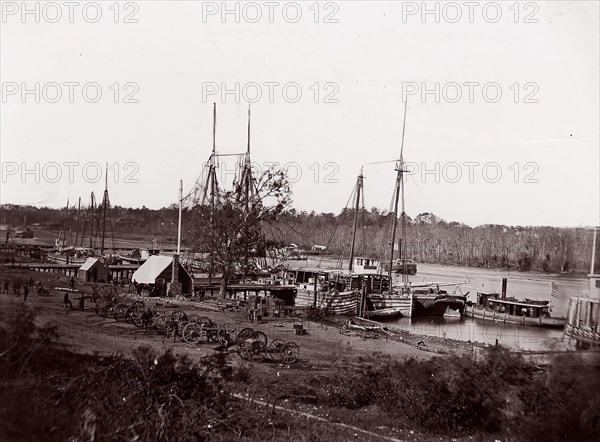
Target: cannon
[(252, 346), (202, 330)]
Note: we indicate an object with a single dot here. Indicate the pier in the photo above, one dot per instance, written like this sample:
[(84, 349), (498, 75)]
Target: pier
[(116, 270), (242, 291)]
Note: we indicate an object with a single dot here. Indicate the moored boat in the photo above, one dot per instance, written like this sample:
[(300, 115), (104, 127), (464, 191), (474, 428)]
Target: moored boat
[(340, 303), (431, 300), (493, 307), (403, 266), (384, 313), (388, 302)]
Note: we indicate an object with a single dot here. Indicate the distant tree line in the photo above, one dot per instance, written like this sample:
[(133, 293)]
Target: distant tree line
[(433, 240), (428, 238)]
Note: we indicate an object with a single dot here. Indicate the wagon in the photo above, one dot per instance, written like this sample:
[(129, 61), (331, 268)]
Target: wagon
[(201, 330), (252, 346)]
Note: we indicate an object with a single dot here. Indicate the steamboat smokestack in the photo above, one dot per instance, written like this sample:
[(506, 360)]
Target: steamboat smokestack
[(504, 280)]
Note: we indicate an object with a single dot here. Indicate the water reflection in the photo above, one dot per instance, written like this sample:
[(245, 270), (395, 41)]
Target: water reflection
[(514, 336)]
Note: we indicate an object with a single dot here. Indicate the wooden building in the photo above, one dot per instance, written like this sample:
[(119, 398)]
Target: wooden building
[(93, 270)]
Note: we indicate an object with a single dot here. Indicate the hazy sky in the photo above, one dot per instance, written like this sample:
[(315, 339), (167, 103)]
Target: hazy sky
[(509, 130)]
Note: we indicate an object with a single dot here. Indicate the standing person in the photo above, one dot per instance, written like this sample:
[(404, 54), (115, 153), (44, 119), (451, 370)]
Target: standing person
[(67, 302), (72, 283), (6, 285), (30, 284), (25, 292)]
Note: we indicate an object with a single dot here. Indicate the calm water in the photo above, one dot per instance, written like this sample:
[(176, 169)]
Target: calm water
[(520, 285), (536, 286)]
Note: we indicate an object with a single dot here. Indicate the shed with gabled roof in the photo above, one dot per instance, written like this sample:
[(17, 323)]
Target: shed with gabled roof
[(93, 270)]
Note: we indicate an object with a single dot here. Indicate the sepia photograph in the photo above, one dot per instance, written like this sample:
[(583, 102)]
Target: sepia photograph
[(299, 221)]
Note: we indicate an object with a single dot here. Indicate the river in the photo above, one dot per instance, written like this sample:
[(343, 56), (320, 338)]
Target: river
[(521, 285)]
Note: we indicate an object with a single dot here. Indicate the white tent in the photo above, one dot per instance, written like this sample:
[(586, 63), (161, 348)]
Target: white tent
[(151, 269), (160, 267)]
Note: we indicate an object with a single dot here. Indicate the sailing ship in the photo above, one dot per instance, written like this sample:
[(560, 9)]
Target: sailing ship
[(363, 289), (138, 256), (377, 296), (396, 301), (71, 254), (77, 252)]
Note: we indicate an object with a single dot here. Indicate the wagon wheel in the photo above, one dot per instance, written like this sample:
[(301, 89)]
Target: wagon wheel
[(136, 316), (245, 333), (257, 351), (260, 336), (102, 307), (226, 334), (196, 333), (119, 311), (107, 291), (290, 353), (274, 350)]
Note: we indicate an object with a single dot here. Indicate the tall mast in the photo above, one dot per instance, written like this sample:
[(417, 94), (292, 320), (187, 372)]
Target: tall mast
[(359, 184), (93, 215), (213, 176), (176, 258), (248, 147), (104, 203), (247, 171), (78, 214), (246, 188), (64, 228), (399, 189), (403, 215), (179, 223)]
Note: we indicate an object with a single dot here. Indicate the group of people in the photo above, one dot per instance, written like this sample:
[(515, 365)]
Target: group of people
[(18, 288)]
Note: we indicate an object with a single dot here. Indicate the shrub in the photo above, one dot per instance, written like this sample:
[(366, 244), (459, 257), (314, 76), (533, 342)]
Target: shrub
[(22, 342), (317, 314)]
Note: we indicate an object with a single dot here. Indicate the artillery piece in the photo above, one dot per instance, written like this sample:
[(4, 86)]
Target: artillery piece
[(252, 346), (200, 330)]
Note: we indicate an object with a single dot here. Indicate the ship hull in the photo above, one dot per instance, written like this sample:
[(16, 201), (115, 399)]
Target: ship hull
[(389, 302), (384, 314), (478, 312), (437, 305), (340, 303), (62, 259)]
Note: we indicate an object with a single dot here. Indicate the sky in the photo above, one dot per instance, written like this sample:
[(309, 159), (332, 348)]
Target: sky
[(502, 123)]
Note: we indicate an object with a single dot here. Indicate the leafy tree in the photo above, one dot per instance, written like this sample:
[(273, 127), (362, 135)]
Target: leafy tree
[(232, 231)]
